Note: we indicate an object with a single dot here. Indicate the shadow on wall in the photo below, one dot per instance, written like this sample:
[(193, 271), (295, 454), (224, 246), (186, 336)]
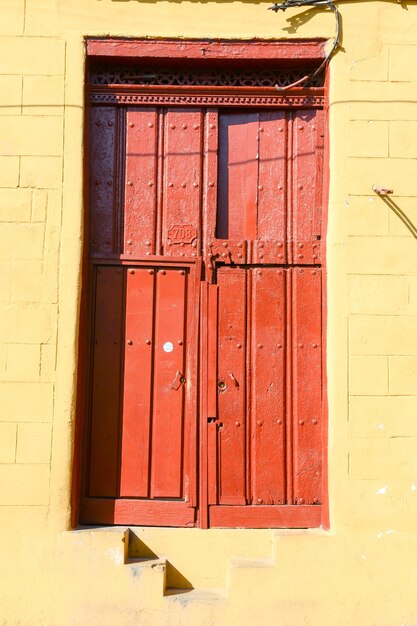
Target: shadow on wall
[(400, 213), (294, 21), (300, 19)]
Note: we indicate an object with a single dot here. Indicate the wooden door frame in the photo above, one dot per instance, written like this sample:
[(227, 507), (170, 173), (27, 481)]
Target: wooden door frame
[(294, 54), (221, 53)]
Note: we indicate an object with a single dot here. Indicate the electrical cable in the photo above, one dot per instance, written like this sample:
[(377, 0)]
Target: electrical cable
[(287, 4)]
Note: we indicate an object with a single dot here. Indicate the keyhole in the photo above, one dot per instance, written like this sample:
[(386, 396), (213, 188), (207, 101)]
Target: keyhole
[(221, 385)]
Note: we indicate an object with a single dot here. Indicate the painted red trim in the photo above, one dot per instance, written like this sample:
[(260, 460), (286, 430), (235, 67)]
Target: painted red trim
[(291, 516), (203, 459), (325, 215), (204, 50), (136, 512)]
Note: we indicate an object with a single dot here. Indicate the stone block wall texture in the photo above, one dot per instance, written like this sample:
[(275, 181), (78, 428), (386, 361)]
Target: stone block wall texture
[(364, 570)]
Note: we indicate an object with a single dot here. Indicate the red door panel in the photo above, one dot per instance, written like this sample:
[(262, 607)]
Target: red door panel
[(168, 380), (106, 383), (272, 186), (143, 426), (232, 386), (182, 182), (269, 383), (209, 358), (137, 401), (306, 190), (251, 412), (306, 385), (140, 181), (103, 145), (267, 450)]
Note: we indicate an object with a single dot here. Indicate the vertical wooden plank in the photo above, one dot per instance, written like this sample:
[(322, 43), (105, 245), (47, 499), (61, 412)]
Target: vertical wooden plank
[(191, 393), (104, 433), (238, 175), (212, 352), (160, 180), (181, 235), (307, 386), (290, 191), (307, 128), (272, 177), (289, 489), (136, 415), (203, 474), (319, 182), (268, 386), (210, 182), (232, 385), (208, 457), (212, 413), (140, 181), (102, 180), (168, 392)]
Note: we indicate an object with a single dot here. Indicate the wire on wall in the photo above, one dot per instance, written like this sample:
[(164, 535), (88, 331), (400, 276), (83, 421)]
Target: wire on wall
[(329, 4)]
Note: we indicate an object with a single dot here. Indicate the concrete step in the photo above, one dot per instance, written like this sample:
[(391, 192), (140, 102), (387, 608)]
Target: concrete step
[(150, 575), (166, 576), (96, 571), (186, 549)]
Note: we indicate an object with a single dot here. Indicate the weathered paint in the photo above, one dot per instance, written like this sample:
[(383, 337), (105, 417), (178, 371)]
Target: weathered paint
[(141, 442), (315, 577), (261, 50), (268, 182)]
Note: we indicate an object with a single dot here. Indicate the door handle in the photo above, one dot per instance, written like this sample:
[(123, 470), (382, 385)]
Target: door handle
[(234, 381), (178, 381)]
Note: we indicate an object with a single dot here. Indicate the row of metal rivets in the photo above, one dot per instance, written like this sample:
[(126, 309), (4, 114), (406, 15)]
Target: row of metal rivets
[(163, 272), (148, 342), (184, 126)]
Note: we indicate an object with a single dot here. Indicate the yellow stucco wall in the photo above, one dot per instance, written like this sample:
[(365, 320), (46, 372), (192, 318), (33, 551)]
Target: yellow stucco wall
[(362, 572)]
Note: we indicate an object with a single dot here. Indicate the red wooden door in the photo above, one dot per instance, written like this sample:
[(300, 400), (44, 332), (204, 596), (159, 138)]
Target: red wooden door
[(143, 401), (205, 229), (141, 457), (264, 320), (265, 435)]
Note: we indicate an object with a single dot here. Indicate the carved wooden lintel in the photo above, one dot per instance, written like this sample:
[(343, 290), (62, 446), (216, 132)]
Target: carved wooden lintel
[(206, 96)]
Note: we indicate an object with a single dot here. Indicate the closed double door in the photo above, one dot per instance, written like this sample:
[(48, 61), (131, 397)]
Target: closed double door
[(204, 404)]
